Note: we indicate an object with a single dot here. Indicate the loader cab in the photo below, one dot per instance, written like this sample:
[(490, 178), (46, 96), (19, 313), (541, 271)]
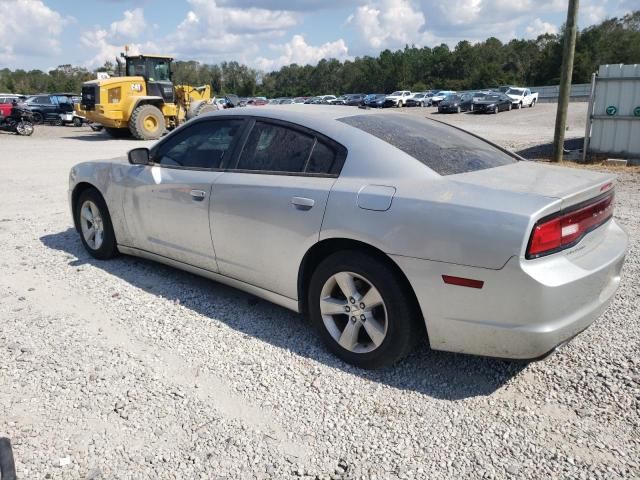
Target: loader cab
[(157, 74)]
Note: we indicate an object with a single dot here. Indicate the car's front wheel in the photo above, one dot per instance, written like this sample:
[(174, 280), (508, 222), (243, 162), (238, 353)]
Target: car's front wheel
[(366, 315), (94, 224)]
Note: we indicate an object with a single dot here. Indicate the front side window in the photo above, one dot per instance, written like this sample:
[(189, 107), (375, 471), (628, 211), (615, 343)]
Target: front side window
[(160, 71), (203, 145), (274, 148)]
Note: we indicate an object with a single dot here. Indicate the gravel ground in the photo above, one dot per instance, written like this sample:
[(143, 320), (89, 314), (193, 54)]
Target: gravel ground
[(131, 370), (528, 131)]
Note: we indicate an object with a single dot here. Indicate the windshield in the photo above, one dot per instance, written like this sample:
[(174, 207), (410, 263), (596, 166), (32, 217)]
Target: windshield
[(396, 94), (515, 91), (418, 95), (444, 149)]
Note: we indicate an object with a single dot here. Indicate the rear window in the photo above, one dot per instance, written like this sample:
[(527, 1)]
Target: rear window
[(442, 148)]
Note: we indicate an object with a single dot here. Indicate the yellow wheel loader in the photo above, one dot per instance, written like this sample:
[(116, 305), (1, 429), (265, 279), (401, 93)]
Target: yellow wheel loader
[(144, 103)]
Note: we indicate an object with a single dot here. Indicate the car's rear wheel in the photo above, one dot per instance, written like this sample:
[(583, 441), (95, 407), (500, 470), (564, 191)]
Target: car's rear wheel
[(532, 104), (364, 312), (94, 223), (77, 122), (38, 118)]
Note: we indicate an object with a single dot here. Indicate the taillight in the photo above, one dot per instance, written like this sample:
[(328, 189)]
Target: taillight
[(565, 229)]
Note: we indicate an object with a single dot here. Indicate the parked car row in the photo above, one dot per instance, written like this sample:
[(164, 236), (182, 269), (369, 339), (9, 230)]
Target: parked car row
[(492, 101), (53, 108)]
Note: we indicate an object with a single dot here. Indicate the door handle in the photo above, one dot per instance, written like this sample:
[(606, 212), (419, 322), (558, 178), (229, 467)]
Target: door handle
[(198, 195), (302, 203)]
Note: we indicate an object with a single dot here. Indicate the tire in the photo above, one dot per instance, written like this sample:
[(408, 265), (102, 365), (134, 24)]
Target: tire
[(396, 314), (519, 106), (117, 132), (91, 214), (206, 108), (77, 122), (24, 128), (511, 106), (496, 109), (458, 110), (147, 123), (532, 104), (38, 118), (7, 462)]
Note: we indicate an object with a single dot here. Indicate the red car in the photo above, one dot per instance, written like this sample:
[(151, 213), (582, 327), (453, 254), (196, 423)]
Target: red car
[(6, 103)]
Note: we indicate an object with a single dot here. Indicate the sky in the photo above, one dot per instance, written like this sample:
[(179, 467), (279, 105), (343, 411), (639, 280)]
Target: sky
[(267, 34)]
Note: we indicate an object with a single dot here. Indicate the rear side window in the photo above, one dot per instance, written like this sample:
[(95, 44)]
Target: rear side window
[(442, 148), (203, 145), (323, 159), (275, 148)]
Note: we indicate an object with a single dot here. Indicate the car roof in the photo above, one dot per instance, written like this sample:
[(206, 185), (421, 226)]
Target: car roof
[(324, 119)]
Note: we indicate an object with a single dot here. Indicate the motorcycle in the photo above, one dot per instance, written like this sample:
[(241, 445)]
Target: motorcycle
[(20, 121)]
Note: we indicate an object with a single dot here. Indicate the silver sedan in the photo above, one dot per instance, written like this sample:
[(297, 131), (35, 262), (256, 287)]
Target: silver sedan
[(384, 228)]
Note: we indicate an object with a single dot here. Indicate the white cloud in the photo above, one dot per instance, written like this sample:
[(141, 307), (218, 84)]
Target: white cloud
[(29, 28), (592, 14), (388, 24), (213, 33), (299, 51), (538, 27), (131, 25), (107, 43)]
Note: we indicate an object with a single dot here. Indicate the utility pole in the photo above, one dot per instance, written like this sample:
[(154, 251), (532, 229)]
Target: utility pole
[(569, 47)]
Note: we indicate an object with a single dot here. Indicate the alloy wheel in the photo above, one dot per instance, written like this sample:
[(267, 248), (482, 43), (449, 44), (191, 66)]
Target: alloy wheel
[(91, 225), (353, 312)]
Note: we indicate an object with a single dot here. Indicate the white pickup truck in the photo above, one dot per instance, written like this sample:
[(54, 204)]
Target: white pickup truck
[(522, 97)]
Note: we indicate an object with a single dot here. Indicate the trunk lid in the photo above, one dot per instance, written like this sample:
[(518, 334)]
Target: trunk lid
[(567, 190), (570, 185)]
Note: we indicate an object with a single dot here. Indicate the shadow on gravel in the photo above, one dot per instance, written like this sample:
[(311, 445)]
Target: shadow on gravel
[(436, 374), (93, 137), (545, 150)]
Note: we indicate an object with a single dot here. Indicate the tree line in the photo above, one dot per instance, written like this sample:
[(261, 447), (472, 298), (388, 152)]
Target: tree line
[(467, 66)]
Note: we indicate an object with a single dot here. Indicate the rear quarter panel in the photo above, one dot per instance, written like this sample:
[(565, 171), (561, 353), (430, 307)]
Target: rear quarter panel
[(437, 219)]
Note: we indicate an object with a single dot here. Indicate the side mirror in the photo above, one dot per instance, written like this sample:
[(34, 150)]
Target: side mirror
[(139, 156)]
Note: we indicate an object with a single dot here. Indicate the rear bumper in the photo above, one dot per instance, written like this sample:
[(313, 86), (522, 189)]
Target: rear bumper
[(525, 309)]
